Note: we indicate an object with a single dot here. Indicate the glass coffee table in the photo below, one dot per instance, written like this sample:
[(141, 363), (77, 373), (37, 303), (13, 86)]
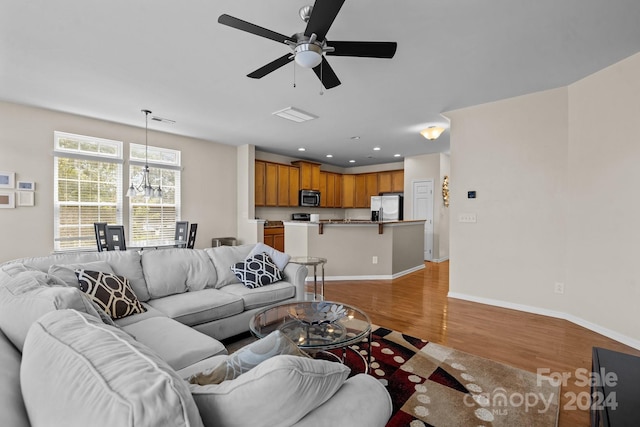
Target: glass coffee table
[(317, 327)]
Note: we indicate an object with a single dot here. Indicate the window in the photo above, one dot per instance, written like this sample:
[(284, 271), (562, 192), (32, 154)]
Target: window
[(87, 188), (154, 218)]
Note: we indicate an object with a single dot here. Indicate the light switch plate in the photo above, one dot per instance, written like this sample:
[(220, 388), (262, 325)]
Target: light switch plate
[(467, 217)]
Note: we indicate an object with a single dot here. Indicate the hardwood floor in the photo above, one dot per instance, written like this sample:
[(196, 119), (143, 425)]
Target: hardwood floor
[(417, 304)]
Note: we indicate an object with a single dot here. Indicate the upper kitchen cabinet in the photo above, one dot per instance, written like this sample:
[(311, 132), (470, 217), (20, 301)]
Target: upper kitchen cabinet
[(309, 175), (391, 181), (276, 184), (260, 183), (294, 185), (271, 184), (284, 192), (366, 185), (330, 190), (348, 191)]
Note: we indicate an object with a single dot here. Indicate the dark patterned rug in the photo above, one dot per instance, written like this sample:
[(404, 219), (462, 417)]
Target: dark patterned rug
[(436, 386)]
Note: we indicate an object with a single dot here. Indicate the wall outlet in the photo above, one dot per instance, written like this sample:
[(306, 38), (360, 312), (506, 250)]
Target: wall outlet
[(374, 260), (558, 288), (467, 217)]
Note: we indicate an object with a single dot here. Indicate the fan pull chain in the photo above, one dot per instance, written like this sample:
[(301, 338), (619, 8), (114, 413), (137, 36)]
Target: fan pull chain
[(294, 74)]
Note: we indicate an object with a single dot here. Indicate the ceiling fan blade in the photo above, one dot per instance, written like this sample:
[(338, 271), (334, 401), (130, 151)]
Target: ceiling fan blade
[(322, 16), (271, 66), (326, 74), (363, 49), (252, 28)]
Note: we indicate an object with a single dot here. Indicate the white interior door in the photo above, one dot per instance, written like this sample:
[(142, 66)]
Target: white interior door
[(423, 209)]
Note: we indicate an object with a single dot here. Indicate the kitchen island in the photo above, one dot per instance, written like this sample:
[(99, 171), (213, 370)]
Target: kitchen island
[(359, 249)]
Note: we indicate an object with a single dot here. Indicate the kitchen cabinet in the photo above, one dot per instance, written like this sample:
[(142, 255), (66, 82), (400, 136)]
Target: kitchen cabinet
[(391, 181), (348, 191), (309, 175), (294, 185), (271, 184), (260, 189), (274, 237), (283, 185), (330, 190)]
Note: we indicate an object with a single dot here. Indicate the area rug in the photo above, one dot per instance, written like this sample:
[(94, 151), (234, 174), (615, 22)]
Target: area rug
[(436, 386)]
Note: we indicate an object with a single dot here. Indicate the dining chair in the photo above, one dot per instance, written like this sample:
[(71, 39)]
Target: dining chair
[(182, 231), (192, 236), (101, 235), (115, 238)]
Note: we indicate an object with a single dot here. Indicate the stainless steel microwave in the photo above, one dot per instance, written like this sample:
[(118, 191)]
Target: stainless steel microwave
[(309, 198)]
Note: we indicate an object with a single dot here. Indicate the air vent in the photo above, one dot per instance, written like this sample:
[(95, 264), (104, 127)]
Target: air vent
[(295, 115)]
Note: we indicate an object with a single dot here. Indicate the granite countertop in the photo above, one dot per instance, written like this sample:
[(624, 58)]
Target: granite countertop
[(273, 224)]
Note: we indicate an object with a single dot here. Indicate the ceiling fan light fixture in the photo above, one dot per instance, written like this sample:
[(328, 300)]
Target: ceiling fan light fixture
[(432, 132), (308, 55)]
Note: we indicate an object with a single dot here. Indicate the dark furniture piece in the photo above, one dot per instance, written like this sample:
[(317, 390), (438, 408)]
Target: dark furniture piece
[(101, 235), (115, 238), (182, 232), (192, 236), (615, 391)]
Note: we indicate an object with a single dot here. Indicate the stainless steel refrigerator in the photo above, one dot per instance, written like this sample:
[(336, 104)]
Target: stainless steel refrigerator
[(389, 207)]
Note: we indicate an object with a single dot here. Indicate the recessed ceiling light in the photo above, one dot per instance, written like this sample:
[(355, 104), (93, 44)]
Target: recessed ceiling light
[(376, 148), (355, 137), (397, 155), (352, 161), (329, 155), (302, 149)]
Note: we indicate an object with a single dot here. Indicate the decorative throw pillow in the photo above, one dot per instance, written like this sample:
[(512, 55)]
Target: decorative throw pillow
[(112, 293), (248, 357), (278, 392), (279, 258), (257, 271)]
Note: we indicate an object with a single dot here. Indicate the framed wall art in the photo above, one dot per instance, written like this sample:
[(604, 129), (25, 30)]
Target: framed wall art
[(26, 198), (7, 200), (26, 186), (7, 179)]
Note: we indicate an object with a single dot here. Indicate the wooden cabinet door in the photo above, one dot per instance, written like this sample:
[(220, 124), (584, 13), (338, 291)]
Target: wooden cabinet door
[(323, 189), (348, 191), (271, 184), (331, 189), (260, 188), (315, 177), (371, 180), (283, 185), (309, 175), (361, 191), (384, 182), (338, 188), (294, 186), (397, 181), (278, 242)]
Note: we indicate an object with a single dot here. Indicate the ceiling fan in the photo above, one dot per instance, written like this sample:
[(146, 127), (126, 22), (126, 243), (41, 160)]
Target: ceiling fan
[(309, 48)]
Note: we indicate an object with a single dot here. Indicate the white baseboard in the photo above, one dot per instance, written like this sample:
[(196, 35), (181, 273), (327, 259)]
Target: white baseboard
[(438, 260), (372, 277), (631, 342)]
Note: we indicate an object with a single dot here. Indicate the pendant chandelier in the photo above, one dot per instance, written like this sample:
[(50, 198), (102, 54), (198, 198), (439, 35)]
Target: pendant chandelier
[(145, 188)]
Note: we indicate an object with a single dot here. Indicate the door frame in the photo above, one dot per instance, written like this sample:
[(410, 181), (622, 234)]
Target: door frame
[(428, 237)]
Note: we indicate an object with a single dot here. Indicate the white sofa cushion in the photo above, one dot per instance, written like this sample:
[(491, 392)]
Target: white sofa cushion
[(78, 372), (279, 258), (223, 258), (124, 263), (193, 308), (262, 296), (12, 410), (174, 271), (277, 392), (26, 297), (177, 344), (67, 272)]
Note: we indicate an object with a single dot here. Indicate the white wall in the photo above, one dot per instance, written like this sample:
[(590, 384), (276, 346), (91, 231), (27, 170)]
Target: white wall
[(433, 167), (556, 176), (26, 145)]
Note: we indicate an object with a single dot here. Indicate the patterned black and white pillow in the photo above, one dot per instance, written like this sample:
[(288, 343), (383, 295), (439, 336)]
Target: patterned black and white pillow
[(112, 293), (256, 271)]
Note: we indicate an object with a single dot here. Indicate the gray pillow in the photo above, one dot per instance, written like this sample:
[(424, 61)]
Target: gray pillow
[(67, 272)]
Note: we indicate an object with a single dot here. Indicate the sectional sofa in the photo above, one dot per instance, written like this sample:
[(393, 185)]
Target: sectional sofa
[(64, 361)]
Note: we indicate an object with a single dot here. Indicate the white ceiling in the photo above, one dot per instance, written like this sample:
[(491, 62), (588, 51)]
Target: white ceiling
[(110, 59)]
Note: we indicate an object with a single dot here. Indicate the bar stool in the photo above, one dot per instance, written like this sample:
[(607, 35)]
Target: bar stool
[(315, 262)]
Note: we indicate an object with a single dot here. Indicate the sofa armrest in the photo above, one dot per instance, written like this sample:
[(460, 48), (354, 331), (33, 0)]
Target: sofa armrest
[(296, 275)]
